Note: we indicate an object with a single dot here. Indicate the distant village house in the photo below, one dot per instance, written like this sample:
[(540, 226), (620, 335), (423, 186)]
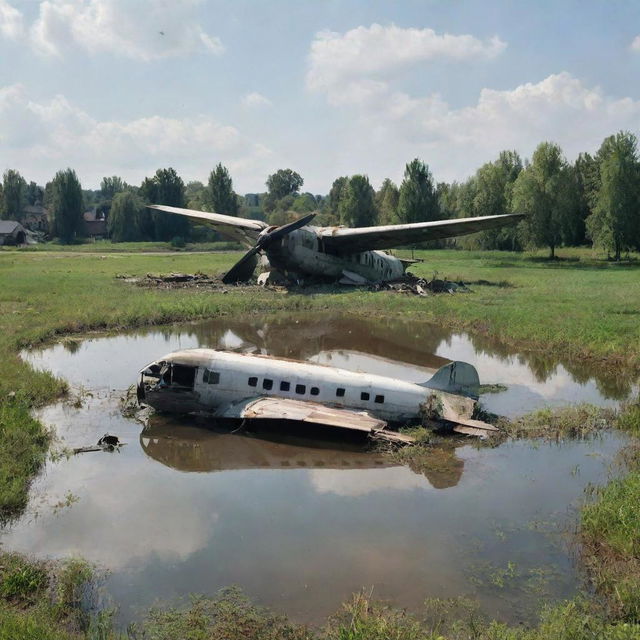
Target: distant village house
[(12, 233)]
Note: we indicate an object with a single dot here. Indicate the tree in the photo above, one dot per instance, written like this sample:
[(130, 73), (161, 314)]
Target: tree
[(418, 200), (337, 190), (387, 199), (493, 195), (615, 219), (545, 192), (14, 195), (110, 186), (67, 205), (282, 183), (34, 193), (123, 222), (166, 187), (357, 207), (220, 195), (305, 203)]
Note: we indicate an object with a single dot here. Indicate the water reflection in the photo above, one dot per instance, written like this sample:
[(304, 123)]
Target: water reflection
[(193, 449), (300, 525), (400, 347)]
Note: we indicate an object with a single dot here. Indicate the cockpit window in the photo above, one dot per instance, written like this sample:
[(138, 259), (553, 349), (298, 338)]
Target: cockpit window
[(182, 375)]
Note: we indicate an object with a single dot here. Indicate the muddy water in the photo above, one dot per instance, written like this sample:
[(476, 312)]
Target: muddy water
[(302, 524)]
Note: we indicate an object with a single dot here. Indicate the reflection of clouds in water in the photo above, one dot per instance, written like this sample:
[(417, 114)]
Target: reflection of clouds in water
[(360, 482), (230, 340), (103, 528), (356, 361), (525, 392)]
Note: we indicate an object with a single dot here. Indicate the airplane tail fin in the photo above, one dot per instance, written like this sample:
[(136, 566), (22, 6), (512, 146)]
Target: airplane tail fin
[(456, 377)]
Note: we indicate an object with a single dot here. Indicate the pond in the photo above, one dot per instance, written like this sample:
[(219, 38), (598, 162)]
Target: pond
[(302, 524)]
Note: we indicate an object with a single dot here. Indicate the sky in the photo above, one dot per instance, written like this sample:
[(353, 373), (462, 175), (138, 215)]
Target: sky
[(324, 87)]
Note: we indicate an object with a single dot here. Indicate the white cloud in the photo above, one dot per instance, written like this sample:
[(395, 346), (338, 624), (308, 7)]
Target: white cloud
[(360, 482), (42, 137), (143, 30), (11, 21), (635, 45), (351, 62), (256, 100), (455, 142)]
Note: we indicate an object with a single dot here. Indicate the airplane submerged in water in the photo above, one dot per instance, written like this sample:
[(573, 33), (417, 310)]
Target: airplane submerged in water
[(240, 386), (299, 250)]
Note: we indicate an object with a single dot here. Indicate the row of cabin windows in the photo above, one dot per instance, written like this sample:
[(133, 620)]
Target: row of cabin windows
[(301, 389)]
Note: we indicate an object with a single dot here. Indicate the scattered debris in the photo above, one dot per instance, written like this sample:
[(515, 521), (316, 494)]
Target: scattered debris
[(108, 442), (420, 286), (407, 284)]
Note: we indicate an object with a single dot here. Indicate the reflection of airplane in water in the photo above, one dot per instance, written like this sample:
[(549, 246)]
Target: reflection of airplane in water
[(303, 338), (189, 448)]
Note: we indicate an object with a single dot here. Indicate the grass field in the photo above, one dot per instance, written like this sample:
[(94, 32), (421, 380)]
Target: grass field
[(578, 307)]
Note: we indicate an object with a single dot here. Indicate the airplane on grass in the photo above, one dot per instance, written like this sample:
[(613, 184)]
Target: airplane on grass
[(299, 250), (240, 386)]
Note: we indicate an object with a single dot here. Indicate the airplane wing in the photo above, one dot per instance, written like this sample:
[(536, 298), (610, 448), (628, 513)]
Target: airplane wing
[(269, 408), (356, 240), (241, 230)]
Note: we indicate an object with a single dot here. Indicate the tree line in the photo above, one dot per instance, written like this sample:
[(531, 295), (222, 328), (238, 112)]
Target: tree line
[(595, 199)]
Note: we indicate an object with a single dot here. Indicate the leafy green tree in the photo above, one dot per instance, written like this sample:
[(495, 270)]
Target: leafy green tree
[(67, 206), (587, 179), (282, 183), (34, 193), (387, 199), (357, 205), (195, 195), (337, 190), (14, 195), (220, 195), (305, 203), (123, 222), (493, 195), (545, 192), (418, 200), (615, 221), (166, 187), (109, 186)]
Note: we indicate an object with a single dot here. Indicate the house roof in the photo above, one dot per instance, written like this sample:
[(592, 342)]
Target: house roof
[(9, 226)]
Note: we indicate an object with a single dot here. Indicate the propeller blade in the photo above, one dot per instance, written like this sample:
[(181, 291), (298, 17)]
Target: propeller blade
[(244, 268), (287, 228)]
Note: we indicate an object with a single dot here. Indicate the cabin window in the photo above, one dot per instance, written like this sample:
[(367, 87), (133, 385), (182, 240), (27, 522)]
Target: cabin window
[(183, 376), (301, 389), (211, 377), (253, 381), (364, 396), (340, 392), (314, 391), (379, 399), (285, 386), (267, 384)]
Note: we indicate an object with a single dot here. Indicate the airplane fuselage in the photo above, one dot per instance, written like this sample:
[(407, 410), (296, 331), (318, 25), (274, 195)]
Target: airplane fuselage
[(303, 252), (216, 382)]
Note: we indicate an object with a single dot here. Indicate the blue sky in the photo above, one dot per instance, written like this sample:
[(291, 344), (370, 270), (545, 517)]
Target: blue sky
[(327, 88)]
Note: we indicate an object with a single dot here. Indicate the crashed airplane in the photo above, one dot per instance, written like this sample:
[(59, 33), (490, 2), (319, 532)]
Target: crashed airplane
[(228, 385), (350, 255)]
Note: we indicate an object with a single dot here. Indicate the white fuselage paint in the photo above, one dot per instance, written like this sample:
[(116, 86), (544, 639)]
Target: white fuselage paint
[(302, 252), (225, 378)]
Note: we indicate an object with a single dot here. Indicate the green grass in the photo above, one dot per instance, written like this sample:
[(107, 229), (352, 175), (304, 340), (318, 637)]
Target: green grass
[(581, 308), (106, 246)]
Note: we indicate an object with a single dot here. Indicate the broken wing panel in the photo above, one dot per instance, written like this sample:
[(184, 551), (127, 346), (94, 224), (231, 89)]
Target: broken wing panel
[(266, 408), (342, 240), (241, 230)]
